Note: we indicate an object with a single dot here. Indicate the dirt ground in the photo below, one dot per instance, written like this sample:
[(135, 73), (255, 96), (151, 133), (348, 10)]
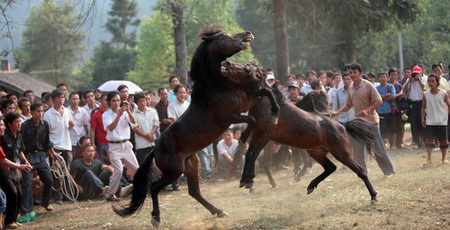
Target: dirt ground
[(416, 198)]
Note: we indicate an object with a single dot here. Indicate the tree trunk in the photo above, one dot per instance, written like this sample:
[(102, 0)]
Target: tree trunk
[(350, 49), (281, 39), (180, 40)]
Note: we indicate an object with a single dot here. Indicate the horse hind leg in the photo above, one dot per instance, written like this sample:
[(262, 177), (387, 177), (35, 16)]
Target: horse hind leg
[(155, 189), (192, 176), (321, 158), (345, 159), (299, 156), (265, 162)]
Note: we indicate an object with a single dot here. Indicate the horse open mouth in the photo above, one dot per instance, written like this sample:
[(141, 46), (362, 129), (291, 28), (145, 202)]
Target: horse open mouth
[(246, 41)]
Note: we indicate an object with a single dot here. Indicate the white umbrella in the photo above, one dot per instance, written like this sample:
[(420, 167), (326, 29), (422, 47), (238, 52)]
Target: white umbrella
[(113, 84)]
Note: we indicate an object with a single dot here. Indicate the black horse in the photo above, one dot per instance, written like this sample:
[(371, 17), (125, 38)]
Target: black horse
[(217, 102)]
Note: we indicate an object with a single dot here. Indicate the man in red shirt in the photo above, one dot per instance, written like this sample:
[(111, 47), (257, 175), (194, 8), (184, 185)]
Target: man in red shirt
[(98, 133)]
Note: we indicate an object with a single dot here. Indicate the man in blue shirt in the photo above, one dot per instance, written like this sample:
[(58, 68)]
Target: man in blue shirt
[(387, 92)]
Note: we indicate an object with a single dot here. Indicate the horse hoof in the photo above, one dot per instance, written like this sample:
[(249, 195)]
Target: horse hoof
[(242, 184), (310, 190), (274, 185), (374, 201), (222, 214), (274, 120), (155, 223), (248, 185)]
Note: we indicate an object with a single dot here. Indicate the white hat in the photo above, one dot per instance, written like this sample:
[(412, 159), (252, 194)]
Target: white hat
[(270, 77)]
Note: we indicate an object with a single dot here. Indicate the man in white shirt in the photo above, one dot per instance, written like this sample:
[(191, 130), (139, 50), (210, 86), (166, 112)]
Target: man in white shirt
[(91, 103), (176, 109), (116, 122), (147, 123), (413, 87), (227, 149), (60, 122), (80, 119), (180, 105)]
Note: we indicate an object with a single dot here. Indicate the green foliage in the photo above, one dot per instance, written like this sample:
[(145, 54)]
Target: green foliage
[(323, 32), (52, 42), (156, 52), (121, 16), (110, 63), (425, 41), (112, 60), (156, 58)]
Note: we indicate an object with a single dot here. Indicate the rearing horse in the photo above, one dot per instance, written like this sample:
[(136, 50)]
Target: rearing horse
[(217, 102), (298, 128)]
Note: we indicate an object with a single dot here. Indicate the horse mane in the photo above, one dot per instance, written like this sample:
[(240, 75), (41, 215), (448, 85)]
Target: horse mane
[(199, 65), (206, 33)]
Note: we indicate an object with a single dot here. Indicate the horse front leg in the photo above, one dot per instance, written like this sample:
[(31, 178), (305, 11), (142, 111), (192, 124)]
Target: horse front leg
[(257, 144), (236, 119), (275, 108), (191, 173)]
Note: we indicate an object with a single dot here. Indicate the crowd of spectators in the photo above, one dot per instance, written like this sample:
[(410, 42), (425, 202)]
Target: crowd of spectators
[(103, 137)]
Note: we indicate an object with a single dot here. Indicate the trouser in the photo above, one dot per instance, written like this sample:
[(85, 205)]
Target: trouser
[(205, 162), (13, 192), (2, 203), (400, 128), (117, 154), (101, 152), (415, 116), (91, 184), (67, 156), (381, 156), (39, 163), (141, 153)]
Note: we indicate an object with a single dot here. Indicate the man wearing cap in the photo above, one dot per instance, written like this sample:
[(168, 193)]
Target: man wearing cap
[(270, 79), (414, 86), (294, 92)]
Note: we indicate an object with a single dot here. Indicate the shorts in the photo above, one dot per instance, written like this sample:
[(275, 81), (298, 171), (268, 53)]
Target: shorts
[(440, 132), (2, 201)]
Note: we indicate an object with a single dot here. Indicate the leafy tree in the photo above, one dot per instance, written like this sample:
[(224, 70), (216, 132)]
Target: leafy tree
[(112, 60), (156, 52), (353, 19), (52, 42)]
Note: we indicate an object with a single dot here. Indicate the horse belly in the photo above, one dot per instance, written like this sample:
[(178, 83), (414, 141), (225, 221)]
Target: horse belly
[(297, 131)]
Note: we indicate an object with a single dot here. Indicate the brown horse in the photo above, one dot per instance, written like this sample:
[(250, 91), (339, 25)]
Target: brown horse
[(298, 128), (217, 102)]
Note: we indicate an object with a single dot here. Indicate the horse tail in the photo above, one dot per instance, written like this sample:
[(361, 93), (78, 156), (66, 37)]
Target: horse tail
[(361, 130), (140, 187)]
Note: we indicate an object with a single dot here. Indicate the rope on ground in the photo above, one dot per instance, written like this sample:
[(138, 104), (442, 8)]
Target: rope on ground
[(66, 183)]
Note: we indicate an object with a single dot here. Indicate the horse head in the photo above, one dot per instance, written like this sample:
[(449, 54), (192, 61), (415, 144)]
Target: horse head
[(217, 45), (246, 75), (223, 44)]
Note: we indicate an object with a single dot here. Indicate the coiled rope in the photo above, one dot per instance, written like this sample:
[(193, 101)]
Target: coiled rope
[(67, 185)]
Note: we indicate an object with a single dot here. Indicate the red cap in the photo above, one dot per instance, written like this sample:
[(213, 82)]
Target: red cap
[(416, 69)]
